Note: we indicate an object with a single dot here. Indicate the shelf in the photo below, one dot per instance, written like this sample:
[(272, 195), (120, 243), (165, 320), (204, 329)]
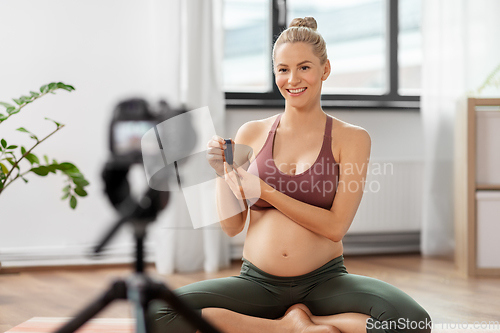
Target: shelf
[(488, 187), (467, 188)]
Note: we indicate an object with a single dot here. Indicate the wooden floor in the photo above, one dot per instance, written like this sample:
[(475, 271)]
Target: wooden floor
[(433, 283)]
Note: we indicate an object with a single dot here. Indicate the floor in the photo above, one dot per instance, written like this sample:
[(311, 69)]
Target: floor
[(432, 282)]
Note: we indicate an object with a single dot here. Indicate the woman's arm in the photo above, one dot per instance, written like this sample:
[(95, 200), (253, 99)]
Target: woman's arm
[(231, 209), (333, 223)]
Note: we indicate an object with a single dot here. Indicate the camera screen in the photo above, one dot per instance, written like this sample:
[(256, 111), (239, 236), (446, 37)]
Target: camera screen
[(128, 134)]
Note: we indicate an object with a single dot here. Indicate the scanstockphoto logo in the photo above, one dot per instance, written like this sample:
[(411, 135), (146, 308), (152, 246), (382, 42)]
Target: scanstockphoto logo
[(406, 324)]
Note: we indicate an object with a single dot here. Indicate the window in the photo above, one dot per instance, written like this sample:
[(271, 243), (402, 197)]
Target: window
[(373, 46)]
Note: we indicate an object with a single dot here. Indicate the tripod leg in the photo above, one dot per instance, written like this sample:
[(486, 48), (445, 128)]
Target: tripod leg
[(143, 324), (161, 292), (117, 291)]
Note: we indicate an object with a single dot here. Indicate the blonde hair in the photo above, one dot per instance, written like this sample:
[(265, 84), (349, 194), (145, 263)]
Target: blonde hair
[(303, 30)]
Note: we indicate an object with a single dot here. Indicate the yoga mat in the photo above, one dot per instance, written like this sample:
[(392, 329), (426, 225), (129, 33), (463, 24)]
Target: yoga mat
[(96, 325)]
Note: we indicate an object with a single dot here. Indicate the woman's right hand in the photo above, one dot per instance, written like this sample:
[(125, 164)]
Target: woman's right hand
[(215, 154)]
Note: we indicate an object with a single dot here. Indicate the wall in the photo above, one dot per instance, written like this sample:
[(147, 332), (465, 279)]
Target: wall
[(107, 50)]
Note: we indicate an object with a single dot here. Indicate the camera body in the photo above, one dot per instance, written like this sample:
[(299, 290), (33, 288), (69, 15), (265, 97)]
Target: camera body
[(131, 119)]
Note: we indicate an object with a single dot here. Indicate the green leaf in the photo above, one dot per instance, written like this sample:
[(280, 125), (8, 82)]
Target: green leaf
[(80, 191), (52, 168), (32, 158), (22, 129), (80, 182), (25, 180), (4, 168), (72, 202), (57, 124), (54, 161), (4, 143), (67, 188), (7, 105), (11, 161), (34, 94), (12, 110), (2, 117), (65, 196), (25, 99), (67, 87), (12, 147), (46, 158), (66, 166), (52, 85), (23, 150), (18, 101), (41, 170), (44, 88)]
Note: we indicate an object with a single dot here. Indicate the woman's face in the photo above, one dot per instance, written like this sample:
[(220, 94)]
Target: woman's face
[(299, 74)]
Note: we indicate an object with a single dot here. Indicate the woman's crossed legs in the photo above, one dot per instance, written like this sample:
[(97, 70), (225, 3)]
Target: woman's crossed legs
[(322, 303)]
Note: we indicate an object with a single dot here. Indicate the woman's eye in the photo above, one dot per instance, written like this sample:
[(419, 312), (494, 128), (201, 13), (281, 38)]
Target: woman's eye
[(282, 70), (304, 67)]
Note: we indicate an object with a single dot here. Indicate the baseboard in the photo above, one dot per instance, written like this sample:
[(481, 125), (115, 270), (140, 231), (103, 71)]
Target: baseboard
[(72, 255)]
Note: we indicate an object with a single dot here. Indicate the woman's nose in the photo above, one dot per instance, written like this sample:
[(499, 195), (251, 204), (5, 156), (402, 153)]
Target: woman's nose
[(293, 78)]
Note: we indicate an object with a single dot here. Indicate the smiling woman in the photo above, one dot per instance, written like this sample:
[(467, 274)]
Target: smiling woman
[(293, 277)]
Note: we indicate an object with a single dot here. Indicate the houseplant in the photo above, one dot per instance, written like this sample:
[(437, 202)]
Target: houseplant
[(11, 154)]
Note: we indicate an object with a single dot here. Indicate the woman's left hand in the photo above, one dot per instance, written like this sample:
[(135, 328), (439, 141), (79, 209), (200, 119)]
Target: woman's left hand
[(242, 183)]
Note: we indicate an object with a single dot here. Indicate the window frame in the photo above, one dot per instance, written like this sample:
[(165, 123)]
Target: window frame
[(390, 100)]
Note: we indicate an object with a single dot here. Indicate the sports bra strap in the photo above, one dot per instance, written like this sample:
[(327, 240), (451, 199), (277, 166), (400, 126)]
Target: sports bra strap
[(275, 125), (328, 127)]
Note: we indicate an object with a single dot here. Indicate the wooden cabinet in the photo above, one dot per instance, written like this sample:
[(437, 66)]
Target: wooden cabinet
[(466, 185)]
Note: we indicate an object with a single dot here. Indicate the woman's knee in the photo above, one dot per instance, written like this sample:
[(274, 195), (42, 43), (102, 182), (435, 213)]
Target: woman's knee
[(164, 319), (417, 319), (410, 318)]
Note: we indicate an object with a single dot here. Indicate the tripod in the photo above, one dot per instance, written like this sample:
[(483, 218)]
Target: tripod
[(138, 288)]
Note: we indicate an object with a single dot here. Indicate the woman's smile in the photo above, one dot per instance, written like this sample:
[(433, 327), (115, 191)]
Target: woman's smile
[(296, 91)]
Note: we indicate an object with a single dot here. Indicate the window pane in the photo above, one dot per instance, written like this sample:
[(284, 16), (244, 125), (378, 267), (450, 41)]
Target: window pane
[(355, 34), (247, 53), (409, 44)]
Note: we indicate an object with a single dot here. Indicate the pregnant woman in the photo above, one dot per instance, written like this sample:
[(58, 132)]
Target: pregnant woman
[(304, 185)]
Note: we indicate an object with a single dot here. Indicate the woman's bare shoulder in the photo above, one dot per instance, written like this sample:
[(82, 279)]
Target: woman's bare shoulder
[(252, 131), (349, 141), (347, 131)]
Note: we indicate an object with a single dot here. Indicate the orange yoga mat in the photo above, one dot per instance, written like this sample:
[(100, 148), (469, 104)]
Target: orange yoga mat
[(96, 325)]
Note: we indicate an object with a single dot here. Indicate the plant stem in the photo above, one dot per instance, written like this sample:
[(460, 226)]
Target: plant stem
[(23, 105), (25, 154)]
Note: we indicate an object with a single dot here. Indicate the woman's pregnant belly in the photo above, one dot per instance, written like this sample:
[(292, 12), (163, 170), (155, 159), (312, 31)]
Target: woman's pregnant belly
[(281, 247)]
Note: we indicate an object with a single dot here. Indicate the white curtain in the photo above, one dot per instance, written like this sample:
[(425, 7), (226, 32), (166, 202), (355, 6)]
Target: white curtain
[(196, 48), (460, 48)]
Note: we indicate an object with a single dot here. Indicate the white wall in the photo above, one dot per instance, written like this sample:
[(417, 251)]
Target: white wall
[(108, 50)]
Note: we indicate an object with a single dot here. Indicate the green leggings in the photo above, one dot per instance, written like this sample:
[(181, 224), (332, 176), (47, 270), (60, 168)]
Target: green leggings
[(325, 291)]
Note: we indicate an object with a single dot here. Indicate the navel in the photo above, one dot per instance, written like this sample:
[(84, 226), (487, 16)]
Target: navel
[(285, 255)]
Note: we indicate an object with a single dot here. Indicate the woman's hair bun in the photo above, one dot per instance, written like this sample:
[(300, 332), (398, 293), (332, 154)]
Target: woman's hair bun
[(308, 22)]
